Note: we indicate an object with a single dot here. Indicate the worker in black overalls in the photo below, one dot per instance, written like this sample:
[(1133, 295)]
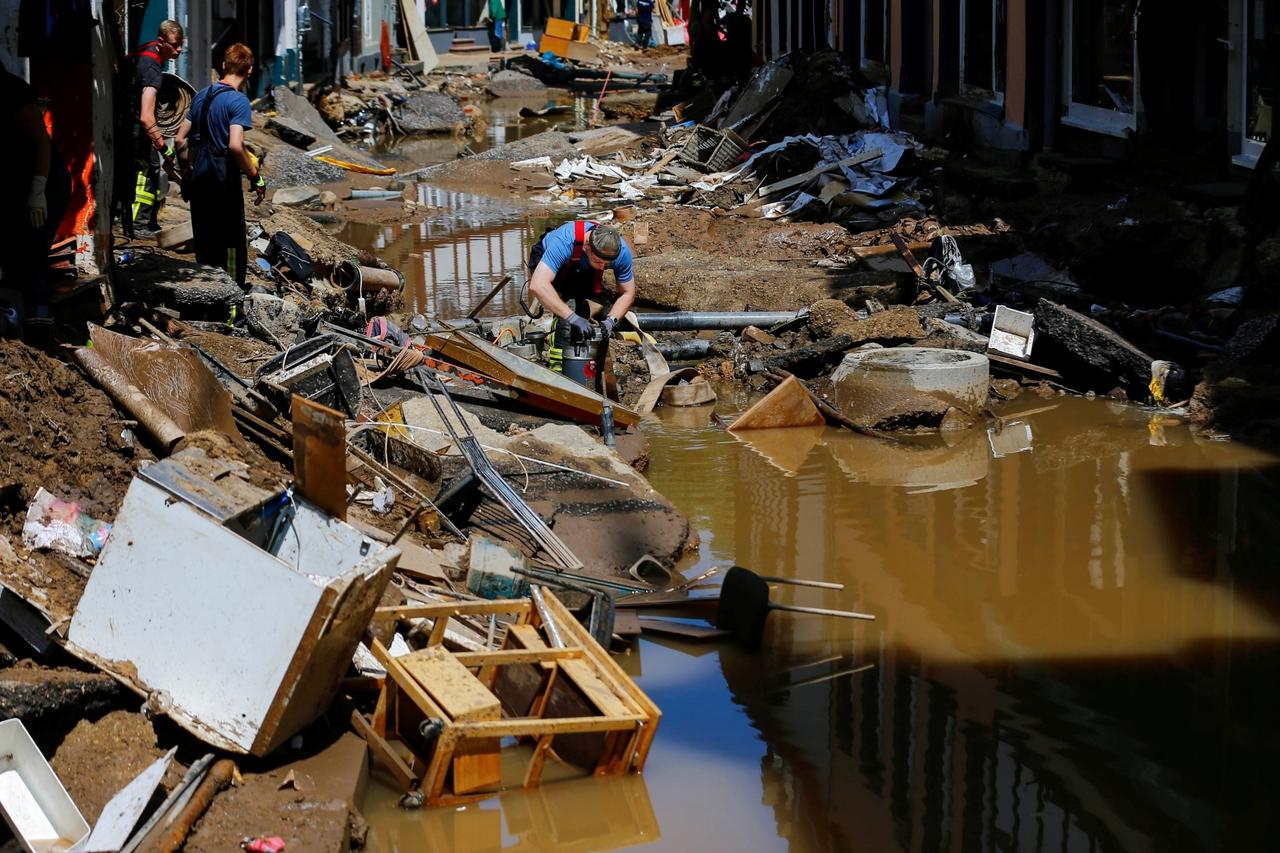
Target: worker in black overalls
[(220, 114), (149, 144), (567, 266)]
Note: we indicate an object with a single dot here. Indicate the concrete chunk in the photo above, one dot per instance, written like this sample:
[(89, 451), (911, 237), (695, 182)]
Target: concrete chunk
[(1091, 352)]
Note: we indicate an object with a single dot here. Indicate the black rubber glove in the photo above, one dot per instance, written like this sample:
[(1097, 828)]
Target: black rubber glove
[(608, 325), (579, 327)]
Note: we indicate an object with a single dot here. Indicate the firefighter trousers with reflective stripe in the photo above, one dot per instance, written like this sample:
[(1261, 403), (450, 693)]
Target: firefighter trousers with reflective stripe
[(146, 190)]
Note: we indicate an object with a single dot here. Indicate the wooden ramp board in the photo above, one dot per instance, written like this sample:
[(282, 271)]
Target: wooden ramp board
[(788, 405), (681, 630), (420, 43), (549, 389)]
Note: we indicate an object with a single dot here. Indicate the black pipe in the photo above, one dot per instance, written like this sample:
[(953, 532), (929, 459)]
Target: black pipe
[(690, 321)]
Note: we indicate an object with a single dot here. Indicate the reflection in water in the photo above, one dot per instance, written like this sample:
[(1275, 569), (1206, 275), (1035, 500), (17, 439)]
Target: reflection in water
[(1077, 649), (451, 260), (577, 815)]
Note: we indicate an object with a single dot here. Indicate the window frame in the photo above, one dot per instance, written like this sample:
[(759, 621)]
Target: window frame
[(993, 94), (1086, 116)]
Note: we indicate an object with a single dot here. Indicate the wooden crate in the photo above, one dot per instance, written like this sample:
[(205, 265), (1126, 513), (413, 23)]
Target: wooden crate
[(574, 703), (559, 28)]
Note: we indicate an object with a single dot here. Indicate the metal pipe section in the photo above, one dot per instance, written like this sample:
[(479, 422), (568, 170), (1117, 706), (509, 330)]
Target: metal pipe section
[(351, 276), (684, 350), (691, 321)]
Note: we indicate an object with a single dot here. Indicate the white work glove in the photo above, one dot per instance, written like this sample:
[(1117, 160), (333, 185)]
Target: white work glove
[(37, 207)]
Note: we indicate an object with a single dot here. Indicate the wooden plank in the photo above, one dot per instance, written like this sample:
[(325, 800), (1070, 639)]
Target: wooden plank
[(320, 455), (533, 775), (863, 252), (507, 657), (423, 50), (626, 623), (805, 177), (535, 728), (477, 764), (787, 405), (451, 685), (524, 375), (452, 608), (597, 692), (683, 630), (384, 753), (612, 673)]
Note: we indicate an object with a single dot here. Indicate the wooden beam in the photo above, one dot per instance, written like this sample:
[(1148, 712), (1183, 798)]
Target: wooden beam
[(515, 656), (536, 728), (805, 177), (385, 754), (452, 608)]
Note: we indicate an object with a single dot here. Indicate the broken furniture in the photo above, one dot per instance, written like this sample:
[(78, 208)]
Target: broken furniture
[(542, 387), (320, 369), (744, 604), (233, 610), (441, 716)]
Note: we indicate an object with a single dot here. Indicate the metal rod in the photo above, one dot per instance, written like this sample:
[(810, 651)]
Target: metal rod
[(802, 582), (180, 793), (471, 315), (821, 678), (548, 622), (688, 321), (822, 611), (501, 489)]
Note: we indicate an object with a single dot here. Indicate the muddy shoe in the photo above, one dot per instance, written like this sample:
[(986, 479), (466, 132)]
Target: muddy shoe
[(10, 313)]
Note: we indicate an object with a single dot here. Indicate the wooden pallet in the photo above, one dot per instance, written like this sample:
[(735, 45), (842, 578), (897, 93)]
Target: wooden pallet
[(441, 715)]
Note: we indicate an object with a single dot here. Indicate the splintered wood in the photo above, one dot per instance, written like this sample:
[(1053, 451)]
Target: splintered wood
[(441, 716)]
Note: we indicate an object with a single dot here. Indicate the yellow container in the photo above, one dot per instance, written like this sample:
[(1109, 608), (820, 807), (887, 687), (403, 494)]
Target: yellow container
[(559, 28)]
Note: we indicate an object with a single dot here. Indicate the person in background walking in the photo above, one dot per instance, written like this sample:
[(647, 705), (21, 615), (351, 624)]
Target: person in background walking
[(497, 25), (214, 127), (644, 22), (149, 142)]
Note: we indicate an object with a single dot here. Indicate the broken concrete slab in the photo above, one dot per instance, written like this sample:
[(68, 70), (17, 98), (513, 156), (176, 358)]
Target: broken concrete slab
[(430, 112), (509, 83), (1089, 352), (291, 130), (300, 114), (197, 291), (295, 196)]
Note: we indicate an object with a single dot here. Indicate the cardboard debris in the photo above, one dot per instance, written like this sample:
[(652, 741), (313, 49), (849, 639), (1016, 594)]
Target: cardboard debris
[(787, 405)]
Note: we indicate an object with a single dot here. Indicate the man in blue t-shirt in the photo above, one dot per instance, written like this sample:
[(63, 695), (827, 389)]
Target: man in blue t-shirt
[(215, 126), (568, 264)]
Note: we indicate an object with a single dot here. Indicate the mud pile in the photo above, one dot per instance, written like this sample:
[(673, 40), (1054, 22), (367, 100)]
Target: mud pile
[(60, 432)]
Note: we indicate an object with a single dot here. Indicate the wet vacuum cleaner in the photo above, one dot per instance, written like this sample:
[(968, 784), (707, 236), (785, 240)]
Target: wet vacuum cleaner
[(744, 604)]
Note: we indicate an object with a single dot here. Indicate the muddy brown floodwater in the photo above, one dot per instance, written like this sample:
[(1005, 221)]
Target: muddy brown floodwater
[(1076, 650)]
